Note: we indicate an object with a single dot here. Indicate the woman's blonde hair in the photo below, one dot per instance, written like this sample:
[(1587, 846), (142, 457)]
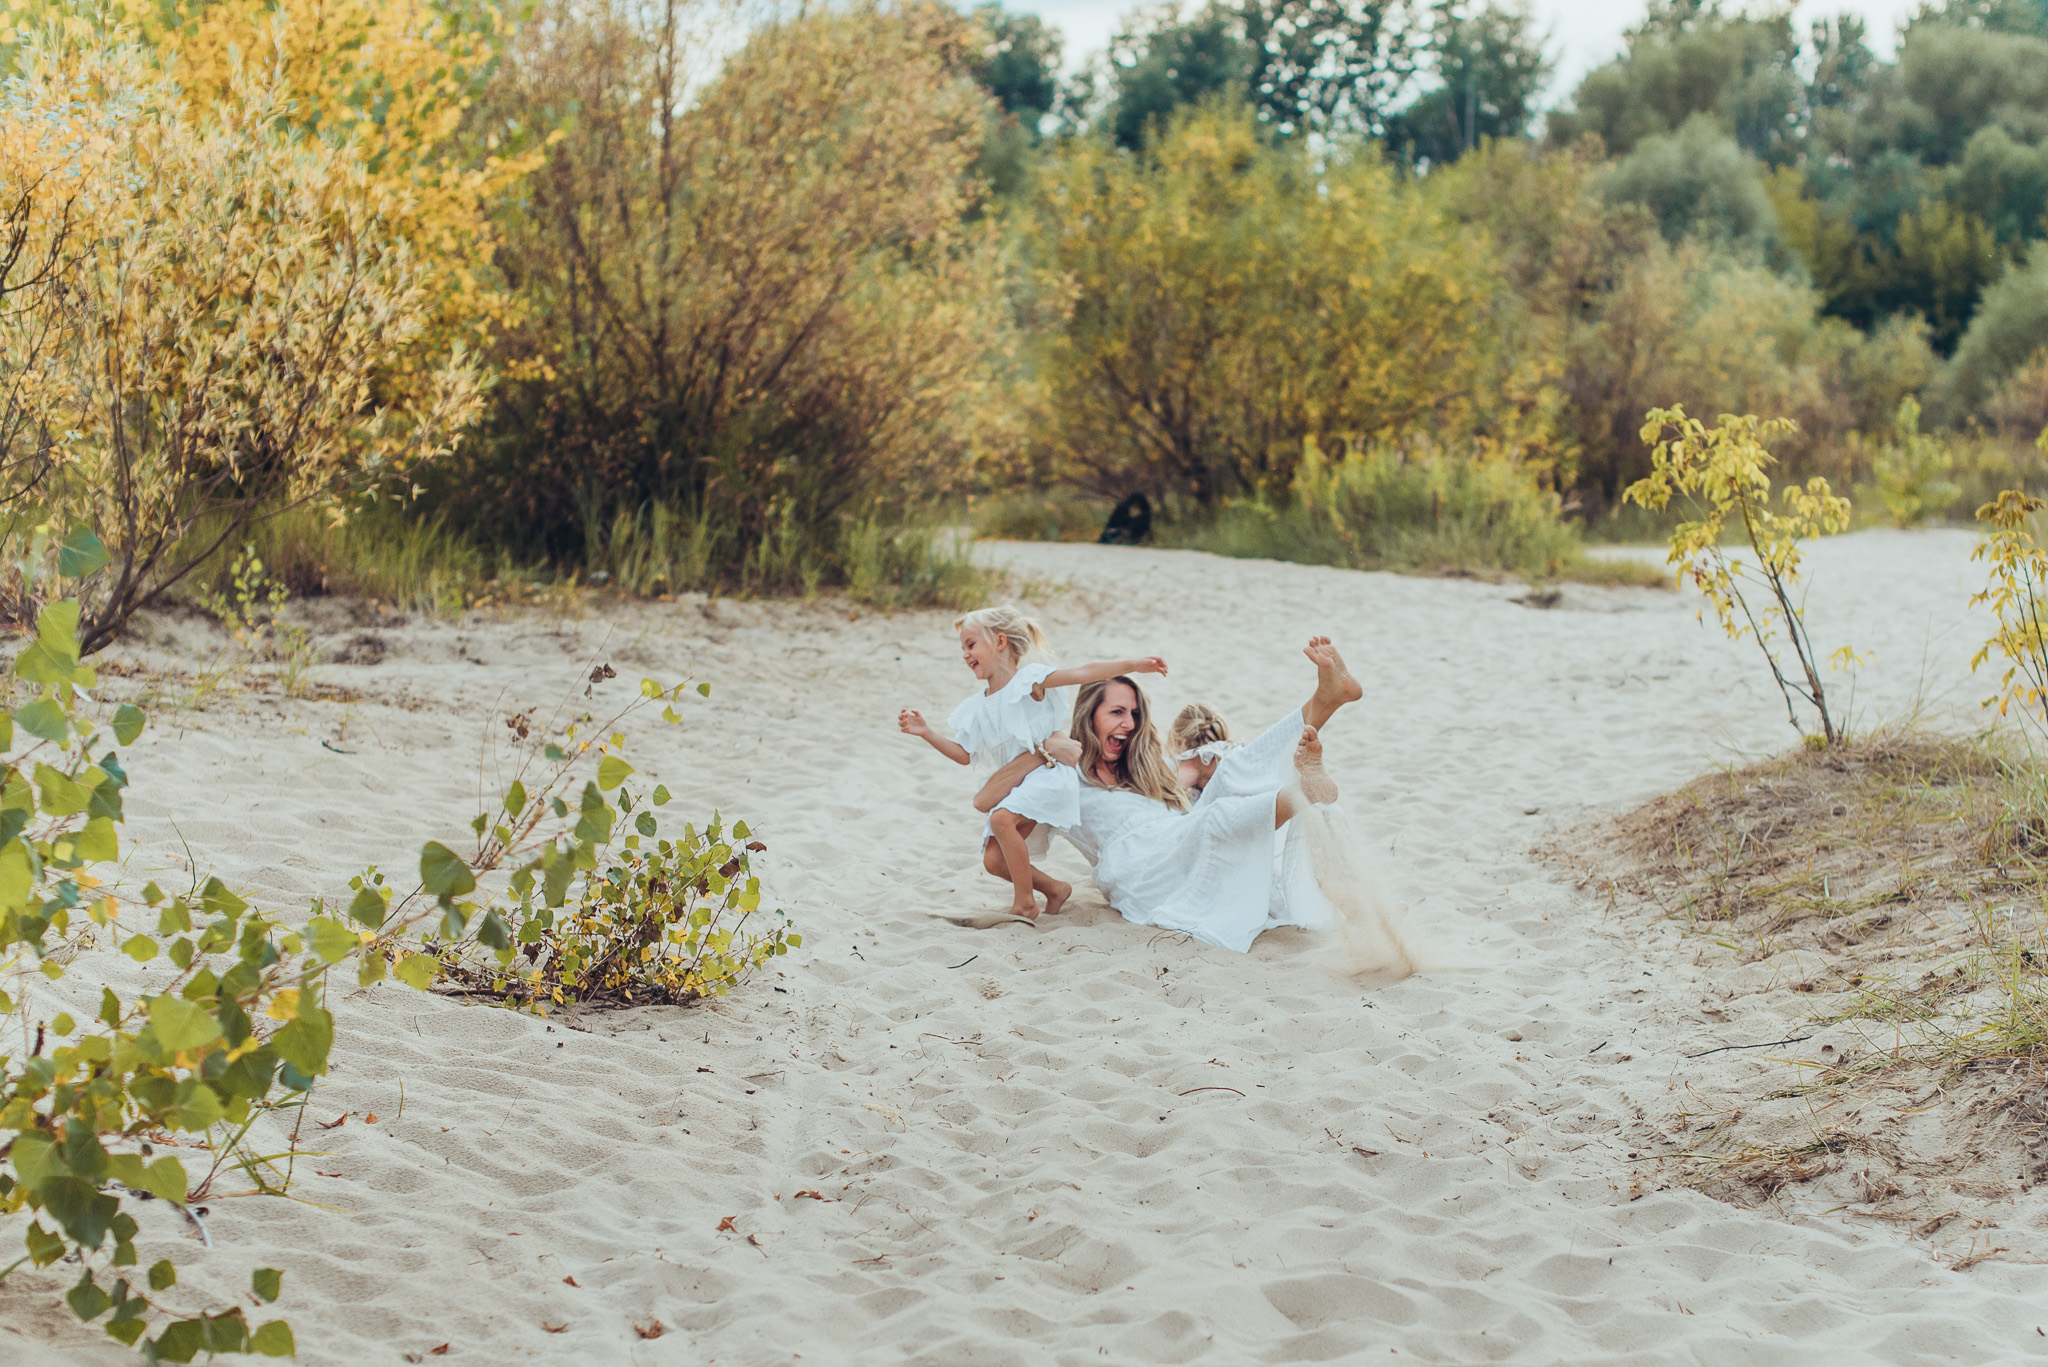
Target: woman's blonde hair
[(1021, 637), (1197, 724), (1143, 768)]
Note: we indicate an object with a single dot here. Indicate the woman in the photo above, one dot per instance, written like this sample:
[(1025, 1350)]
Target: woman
[(1212, 871)]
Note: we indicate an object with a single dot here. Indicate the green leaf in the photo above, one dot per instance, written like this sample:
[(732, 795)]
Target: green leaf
[(44, 719), (81, 554), (367, 907), (128, 723), (266, 1282), (180, 1341), (332, 940), (273, 1340), (98, 842), (197, 1110), (304, 1041), (86, 1299), (644, 823), (110, 1007), (611, 772), (81, 1208), (163, 1275), (44, 1247), (140, 948), (442, 871), (165, 1179), (153, 894), (515, 797), (703, 690), (492, 933), (661, 795), (179, 1024), (417, 971), (61, 795), (63, 1024), (371, 970), (173, 919)]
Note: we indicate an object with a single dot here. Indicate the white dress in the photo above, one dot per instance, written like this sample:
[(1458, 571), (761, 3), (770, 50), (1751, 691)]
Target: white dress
[(995, 728), (1219, 872)]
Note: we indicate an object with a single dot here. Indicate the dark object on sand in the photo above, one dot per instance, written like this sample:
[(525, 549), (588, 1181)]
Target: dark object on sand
[(1129, 524)]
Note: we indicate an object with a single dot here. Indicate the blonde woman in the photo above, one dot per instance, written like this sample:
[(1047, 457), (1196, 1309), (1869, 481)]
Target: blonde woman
[(1210, 871), (1011, 714)]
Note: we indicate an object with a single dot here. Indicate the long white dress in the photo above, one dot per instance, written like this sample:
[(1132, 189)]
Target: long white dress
[(995, 728), (1219, 872)]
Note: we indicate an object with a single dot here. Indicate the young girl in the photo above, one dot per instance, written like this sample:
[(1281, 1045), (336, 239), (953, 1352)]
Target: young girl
[(1014, 713), (1198, 740)]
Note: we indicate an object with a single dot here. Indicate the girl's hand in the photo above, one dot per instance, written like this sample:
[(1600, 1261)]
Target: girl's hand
[(912, 723), (1063, 748), (1151, 664)]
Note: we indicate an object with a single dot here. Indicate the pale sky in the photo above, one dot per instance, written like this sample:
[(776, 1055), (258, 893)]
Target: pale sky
[(1583, 33)]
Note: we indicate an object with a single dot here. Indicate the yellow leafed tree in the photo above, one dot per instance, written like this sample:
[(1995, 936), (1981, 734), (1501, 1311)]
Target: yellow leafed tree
[(1725, 471), (386, 83), (219, 347)]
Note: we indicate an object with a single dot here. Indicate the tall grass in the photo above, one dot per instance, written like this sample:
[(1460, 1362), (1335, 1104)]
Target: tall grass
[(1414, 507), (393, 555)]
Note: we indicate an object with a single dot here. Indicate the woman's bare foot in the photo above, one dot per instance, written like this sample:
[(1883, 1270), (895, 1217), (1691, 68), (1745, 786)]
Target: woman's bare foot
[(1335, 684), (1316, 785), (1056, 897)]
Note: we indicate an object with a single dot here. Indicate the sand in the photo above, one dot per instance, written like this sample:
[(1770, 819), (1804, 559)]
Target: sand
[(1091, 1143)]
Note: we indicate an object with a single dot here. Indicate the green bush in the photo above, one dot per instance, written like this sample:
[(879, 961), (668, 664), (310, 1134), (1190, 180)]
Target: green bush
[(1393, 507)]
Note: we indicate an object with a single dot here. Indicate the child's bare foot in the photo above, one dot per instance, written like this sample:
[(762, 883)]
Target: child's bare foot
[(1056, 897), (1316, 785), (1335, 684), (1025, 910)]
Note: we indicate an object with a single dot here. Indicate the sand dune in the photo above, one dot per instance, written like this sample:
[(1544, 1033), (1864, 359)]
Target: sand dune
[(1091, 1143)]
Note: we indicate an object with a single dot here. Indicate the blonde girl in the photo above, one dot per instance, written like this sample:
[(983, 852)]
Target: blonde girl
[(1198, 739), (1011, 715)]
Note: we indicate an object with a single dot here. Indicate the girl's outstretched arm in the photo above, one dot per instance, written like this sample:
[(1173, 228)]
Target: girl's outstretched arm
[(1104, 669), (911, 722)]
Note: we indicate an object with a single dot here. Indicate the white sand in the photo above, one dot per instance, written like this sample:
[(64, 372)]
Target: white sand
[(1094, 1143)]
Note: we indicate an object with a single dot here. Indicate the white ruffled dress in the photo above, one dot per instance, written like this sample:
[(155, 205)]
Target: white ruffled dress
[(995, 728), (1218, 872)]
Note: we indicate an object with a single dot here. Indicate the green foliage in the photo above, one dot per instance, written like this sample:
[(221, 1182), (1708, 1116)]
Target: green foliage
[(2009, 326), (598, 906), (239, 1030), (1689, 59), (1408, 507), (1229, 298), (1911, 473), (1486, 70), (1725, 472), (758, 304), (1696, 181)]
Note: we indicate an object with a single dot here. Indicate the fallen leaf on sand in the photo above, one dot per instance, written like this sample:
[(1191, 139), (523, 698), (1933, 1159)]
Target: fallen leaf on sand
[(727, 1224), (339, 1120), (754, 1239), (329, 1174), (812, 1194), (442, 1351), (571, 1281), (370, 1119), (650, 1331), (554, 1328)]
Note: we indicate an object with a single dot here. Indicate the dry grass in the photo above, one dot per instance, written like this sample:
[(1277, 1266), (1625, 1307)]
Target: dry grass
[(1873, 916)]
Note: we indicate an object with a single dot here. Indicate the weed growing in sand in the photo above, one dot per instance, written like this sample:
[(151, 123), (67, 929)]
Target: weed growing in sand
[(2019, 582), (92, 1108), (599, 906), (250, 611), (1725, 471)]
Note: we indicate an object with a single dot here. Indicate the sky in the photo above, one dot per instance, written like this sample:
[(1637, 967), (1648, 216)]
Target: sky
[(1583, 33)]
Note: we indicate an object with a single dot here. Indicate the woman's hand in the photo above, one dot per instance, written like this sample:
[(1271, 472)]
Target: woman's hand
[(1063, 748), (912, 723)]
